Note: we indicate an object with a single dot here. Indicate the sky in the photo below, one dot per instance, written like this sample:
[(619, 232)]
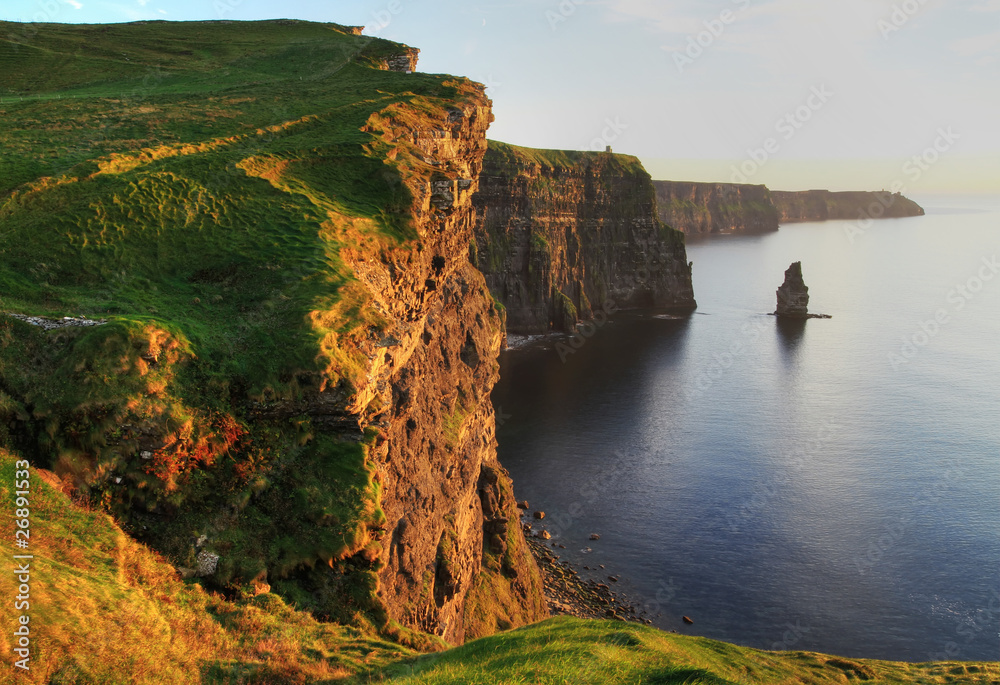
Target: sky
[(797, 94)]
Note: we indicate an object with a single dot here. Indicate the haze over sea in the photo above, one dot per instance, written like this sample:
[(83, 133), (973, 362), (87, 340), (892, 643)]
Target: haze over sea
[(829, 486)]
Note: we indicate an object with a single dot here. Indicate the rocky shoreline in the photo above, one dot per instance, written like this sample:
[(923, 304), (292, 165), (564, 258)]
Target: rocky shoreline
[(566, 593)]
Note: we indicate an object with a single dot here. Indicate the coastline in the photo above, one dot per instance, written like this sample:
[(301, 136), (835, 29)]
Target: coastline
[(566, 593)]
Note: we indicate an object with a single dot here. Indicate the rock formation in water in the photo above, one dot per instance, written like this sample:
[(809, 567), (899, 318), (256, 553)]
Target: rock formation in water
[(703, 208), (562, 236), (793, 295), (823, 205)]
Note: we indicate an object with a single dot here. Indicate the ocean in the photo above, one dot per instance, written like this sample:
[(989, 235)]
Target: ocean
[(829, 485)]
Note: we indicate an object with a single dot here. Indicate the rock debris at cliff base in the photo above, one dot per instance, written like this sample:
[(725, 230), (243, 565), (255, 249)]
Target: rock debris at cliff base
[(569, 594)]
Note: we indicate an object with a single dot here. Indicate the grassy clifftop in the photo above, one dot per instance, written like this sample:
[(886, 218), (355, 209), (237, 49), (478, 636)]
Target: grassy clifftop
[(206, 176), (550, 168), (508, 155), (203, 55)]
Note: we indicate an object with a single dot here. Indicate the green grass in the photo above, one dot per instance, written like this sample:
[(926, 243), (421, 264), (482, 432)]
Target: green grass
[(195, 184), (204, 209), (513, 155), (567, 650), (105, 609), (204, 55)]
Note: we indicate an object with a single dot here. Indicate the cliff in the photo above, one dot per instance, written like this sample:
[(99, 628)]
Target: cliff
[(702, 208), (286, 383), (562, 235), (823, 205)]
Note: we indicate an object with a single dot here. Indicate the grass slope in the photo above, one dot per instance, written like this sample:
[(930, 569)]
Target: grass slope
[(569, 650), (105, 609)]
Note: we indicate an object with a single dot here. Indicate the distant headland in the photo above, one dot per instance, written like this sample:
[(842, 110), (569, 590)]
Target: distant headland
[(704, 208)]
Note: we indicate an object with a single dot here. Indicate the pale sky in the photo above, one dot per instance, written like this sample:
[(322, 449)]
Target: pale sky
[(793, 93)]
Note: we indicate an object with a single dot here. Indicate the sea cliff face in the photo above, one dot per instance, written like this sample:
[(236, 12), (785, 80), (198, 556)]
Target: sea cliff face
[(703, 208), (822, 205), (452, 520), (562, 235)]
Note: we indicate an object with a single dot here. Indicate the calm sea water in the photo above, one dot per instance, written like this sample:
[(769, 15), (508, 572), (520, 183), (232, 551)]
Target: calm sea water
[(829, 486)]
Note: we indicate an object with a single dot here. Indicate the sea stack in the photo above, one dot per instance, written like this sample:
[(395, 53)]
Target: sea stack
[(793, 295)]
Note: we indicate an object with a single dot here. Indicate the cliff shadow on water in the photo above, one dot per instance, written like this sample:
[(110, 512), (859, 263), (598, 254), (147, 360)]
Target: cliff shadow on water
[(553, 378)]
